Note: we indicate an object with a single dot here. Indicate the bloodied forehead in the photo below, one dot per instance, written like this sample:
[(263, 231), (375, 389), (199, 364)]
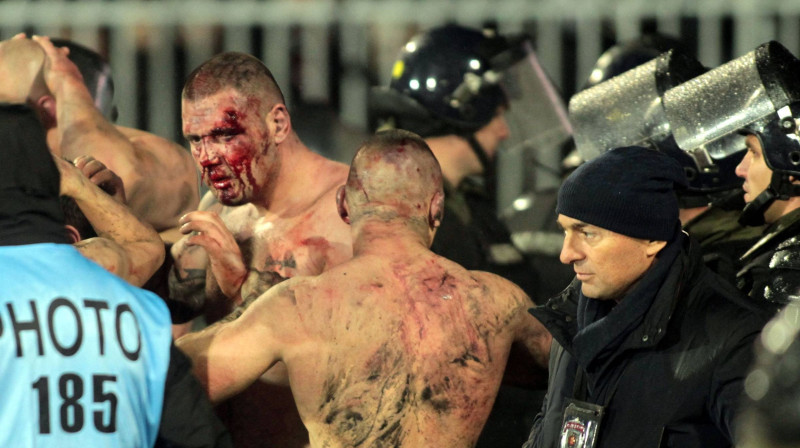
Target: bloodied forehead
[(221, 110)]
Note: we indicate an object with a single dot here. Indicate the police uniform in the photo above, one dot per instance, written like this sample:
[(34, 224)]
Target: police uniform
[(722, 238), (771, 268)]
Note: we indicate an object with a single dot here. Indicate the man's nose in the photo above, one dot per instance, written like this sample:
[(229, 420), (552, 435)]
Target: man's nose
[(741, 168), (205, 153), (568, 252)]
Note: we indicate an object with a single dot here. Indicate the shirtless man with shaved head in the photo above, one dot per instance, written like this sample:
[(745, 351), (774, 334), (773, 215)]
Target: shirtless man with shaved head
[(269, 214), (396, 347)]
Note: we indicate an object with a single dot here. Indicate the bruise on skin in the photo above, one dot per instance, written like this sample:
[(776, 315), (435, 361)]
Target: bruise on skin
[(463, 359), (439, 282), (440, 405), (369, 412)]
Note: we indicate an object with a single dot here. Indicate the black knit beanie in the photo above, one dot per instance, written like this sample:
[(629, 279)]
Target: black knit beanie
[(30, 211), (628, 190)]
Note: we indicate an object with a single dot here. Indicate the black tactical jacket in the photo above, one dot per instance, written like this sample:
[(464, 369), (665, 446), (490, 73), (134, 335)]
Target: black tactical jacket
[(771, 268)]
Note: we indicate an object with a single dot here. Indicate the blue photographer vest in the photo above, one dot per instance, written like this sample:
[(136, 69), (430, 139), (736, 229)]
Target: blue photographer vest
[(83, 354)]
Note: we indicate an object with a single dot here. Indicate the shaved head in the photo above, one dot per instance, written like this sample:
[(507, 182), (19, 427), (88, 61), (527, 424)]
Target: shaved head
[(394, 175), (21, 62), (239, 71)]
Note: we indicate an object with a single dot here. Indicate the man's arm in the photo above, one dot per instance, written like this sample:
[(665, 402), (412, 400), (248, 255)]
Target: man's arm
[(156, 179), (126, 246), (189, 275), (187, 418), (229, 356)]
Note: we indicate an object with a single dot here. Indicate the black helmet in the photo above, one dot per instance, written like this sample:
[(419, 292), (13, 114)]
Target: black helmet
[(445, 81), (627, 55), (96, 75)]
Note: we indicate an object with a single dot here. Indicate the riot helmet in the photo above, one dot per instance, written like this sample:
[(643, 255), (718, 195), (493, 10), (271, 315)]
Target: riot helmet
[(627, 110), (758, 94), (96, 75), (452, 80), (443, 82), (628, 55)]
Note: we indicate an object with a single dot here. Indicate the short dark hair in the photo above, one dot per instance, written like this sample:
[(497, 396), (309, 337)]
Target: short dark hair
[(240, 71)]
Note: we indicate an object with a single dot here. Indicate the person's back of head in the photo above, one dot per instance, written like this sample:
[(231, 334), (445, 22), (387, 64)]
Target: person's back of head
[(21, 63), (74, 217), (395, 176), (242, 72), (29, 181), (96, 75)]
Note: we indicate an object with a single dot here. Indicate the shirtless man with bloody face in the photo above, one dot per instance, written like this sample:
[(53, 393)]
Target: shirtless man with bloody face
[(396, 347), (270, 214)]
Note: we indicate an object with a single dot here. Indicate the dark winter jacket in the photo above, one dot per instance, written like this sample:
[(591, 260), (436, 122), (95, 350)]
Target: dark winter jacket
[(668, 361)]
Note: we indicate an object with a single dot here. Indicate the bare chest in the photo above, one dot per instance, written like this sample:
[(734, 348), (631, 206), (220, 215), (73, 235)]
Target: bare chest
[(299, 245)]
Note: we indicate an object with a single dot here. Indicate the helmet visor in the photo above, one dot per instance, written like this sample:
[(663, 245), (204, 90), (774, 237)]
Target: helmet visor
[(622, 111), (706, 112), (537, 120)]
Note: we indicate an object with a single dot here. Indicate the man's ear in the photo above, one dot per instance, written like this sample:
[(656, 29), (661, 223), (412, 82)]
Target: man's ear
[(436, 210), (281, 122), (46, 106), (341, 204), (654, 247), (72, 233)]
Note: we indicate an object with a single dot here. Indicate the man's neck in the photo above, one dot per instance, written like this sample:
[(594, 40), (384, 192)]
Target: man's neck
[(376, 236), (451, 151), (301, 179)]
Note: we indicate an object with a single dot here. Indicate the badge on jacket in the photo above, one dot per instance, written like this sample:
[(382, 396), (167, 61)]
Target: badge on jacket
[(581, 424)]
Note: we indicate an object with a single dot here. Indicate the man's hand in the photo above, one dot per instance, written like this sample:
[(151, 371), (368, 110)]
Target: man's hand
[(57, 66), (71, 178), (101, 176), (208, 231)]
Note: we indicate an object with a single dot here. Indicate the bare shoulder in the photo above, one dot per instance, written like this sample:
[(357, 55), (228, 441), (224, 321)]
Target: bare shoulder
[(154, 143), (497, 283)]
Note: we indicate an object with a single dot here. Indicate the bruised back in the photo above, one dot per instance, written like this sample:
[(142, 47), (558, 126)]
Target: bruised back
[(410, 350)]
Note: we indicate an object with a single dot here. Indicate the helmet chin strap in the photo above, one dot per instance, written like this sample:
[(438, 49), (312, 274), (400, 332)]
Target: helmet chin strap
[(780, 188), (753, 212)]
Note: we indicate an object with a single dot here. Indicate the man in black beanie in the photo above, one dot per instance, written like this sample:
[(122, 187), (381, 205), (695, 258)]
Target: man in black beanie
[(650, 348)]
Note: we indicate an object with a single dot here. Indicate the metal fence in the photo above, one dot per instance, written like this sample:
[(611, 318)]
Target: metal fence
[(328, 53)]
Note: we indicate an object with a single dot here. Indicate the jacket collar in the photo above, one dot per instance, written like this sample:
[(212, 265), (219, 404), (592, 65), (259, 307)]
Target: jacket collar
[(561, 314)]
